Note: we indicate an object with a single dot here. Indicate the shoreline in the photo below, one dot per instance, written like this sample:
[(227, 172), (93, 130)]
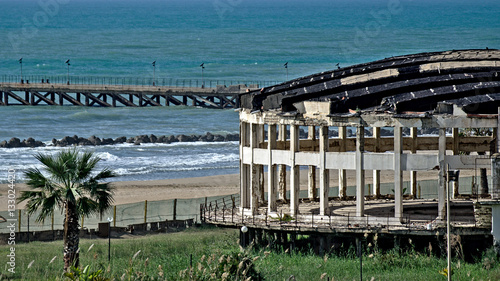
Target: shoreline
[(126, 192)]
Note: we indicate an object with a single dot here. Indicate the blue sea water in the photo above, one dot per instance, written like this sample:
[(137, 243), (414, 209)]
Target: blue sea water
[(239, 40)]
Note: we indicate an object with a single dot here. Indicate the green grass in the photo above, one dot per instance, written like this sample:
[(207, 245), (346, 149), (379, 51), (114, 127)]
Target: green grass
[(172, 252)]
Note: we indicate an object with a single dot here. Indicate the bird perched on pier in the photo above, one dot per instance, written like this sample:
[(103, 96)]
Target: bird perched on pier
[(202, 65)]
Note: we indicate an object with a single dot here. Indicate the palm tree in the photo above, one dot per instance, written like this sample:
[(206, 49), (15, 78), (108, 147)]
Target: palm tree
[(69, 186)]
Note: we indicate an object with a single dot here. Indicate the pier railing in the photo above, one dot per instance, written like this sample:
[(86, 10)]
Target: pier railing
[(120, 81)]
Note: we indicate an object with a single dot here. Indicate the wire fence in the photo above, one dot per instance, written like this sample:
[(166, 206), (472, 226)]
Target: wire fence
[(125, 215), (135, 81)]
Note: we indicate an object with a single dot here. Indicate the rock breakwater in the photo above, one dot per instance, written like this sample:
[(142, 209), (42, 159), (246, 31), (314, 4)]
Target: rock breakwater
[(137, 140)]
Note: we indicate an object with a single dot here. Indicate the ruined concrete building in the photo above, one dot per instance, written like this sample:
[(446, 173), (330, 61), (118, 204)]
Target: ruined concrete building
[(445, 92)]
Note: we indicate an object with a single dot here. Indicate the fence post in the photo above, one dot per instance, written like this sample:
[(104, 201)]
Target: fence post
[(83, 220), (145, 210), (114, 216), (175, 209), (19, 219), (52, 222)]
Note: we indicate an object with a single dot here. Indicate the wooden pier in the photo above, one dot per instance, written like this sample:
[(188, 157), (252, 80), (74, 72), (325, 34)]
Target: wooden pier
[(120, 95)]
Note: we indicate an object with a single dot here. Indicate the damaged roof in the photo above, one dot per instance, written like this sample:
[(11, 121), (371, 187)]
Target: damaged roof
[(435, 82)]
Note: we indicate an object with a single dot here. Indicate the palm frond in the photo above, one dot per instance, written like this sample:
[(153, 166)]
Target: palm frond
[(69, 181), (86, 206)]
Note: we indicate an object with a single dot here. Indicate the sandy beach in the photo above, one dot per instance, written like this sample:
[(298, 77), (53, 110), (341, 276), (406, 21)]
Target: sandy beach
[(138, 191)]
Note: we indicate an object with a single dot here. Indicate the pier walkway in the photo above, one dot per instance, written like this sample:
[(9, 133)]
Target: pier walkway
[(112, 92)]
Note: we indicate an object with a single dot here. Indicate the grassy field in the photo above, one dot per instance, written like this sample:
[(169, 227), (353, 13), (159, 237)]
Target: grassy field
[(215, 254)]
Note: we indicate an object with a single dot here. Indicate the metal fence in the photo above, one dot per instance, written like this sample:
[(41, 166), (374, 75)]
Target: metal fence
[(121, 81), (126, 214)]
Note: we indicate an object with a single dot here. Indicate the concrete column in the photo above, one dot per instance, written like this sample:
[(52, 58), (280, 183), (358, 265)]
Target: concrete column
[(495, 176), (442, 174), (360, 173), (261, 135), (271, 176), (311, 187), (376, 173), (295, 175), (413, 174), (498, 132), (255, 180), (282, 168), (456, 151), (398, 173), (244, 168), (342, 172), (323, 172)]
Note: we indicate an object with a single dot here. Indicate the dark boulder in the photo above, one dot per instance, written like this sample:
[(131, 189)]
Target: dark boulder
[(107, 141), (153, 138), (84, 141), (14, 142), (218, 138), (210, 137), (182, 138), (232, 137), (95, 140), (120, 140)]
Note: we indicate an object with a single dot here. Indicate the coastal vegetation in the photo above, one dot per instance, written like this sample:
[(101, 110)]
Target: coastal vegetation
[(68, 183), (209, 253)]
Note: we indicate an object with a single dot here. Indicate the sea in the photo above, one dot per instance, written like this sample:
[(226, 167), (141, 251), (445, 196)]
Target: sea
[(238, 41)]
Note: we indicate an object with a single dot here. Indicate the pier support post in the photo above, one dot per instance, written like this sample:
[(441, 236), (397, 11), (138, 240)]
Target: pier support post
[(342, 173), (282, 168), (255, 179), (324, 178), (295, 175), (456, 150), (245, 169), (271, 178), (376, 173), (398, 173), (413, 174), (311, 187), (360, 172), (442, 174)]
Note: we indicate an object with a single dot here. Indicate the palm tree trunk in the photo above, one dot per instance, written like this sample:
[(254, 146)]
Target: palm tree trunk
[(71, 237)]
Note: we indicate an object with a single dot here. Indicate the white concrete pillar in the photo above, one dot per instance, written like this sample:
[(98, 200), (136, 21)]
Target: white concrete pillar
[(295, 175), (342, 172), (442, 174), (271, 176), (255, 179), (398, 173), (456, 150), (261, 135), (282, 168), (376, 173), (324, 178), (360, 173), (311, 186), (413, 174), (244, 168)]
